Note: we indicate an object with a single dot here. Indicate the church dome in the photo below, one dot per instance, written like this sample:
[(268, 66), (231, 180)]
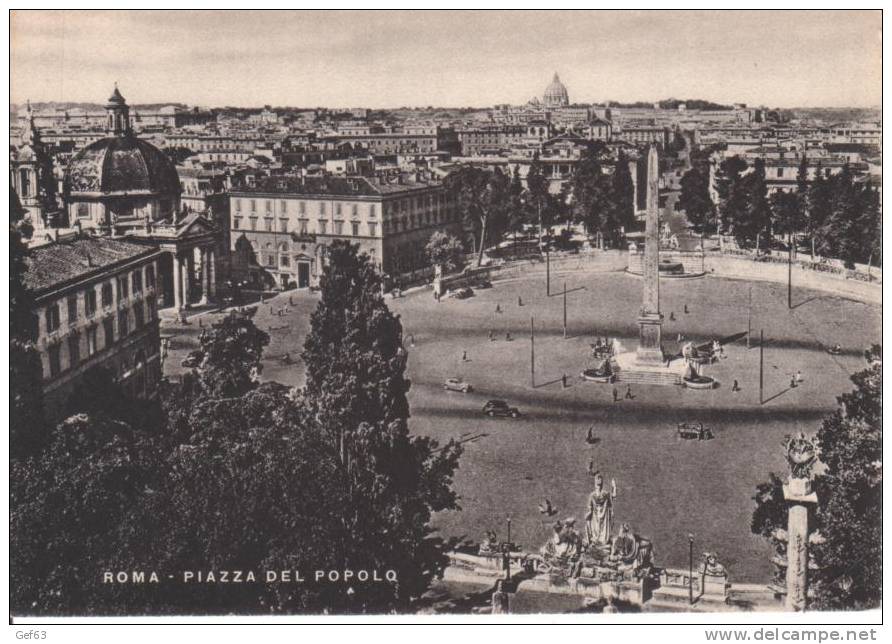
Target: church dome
[(122, 165), (556, 93)]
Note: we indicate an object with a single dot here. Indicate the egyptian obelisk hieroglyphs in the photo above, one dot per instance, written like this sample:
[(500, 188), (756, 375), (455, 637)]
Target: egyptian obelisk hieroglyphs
[(650, 349)]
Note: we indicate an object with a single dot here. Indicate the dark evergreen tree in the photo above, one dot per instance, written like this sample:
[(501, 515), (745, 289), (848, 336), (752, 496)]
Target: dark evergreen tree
[(388, 482), (732, 193), (483, 197), (695, 201)]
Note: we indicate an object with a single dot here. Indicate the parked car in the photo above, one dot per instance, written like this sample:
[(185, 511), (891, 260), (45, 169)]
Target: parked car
[(500, 408), (463, 293), (457, 384), (193, 360), (483, 283)]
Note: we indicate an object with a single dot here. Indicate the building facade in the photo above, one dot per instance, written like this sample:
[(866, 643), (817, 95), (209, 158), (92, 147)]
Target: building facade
[(285, 224), (96, 306)]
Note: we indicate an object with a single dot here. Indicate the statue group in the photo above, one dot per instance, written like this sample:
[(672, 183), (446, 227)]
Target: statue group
[(599, 553)]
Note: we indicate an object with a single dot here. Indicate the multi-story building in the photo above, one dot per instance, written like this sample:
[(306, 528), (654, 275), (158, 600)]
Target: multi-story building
[(389, 143), (643, 134), (480, 141), (96, 306), (284, 224)]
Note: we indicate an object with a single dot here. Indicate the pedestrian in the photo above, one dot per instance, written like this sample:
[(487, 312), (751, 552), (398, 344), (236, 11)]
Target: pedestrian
[(735, 386), (629, 395), (792, 382), (492, 336), (508, 336), (798, 377), (686, 308), (464, 356), (615, 395), (672, 316), (519, 301), (498, 309), (563, 381), (411, 339), (290, 301), (271, 311), (680, 338)]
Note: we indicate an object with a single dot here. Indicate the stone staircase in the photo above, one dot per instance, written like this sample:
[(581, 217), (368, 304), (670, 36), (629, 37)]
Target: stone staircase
[(741, 598), (643, 377)]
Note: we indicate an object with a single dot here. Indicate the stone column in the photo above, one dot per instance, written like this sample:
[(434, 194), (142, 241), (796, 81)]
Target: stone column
[(187, 280), (204, 277), (177, 283), (800, 499), (212, 278)]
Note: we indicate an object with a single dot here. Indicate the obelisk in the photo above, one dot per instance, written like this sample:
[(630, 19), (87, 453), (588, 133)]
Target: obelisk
[(650, 320)]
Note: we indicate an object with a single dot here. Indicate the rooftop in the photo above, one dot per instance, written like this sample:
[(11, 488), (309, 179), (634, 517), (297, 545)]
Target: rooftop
[(58, 263), (342, 186)]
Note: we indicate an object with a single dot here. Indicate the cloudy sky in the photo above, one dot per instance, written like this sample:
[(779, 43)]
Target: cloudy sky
[(390, 59)]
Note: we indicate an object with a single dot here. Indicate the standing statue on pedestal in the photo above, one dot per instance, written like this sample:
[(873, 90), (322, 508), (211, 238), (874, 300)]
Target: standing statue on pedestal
[(599, 514)]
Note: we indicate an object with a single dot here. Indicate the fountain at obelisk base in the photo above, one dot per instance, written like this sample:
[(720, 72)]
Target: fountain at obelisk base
[(648, 364)]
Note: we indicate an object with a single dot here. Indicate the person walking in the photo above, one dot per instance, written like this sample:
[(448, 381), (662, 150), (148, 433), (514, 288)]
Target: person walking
[(464, 356), (498, 308), (686, 308), (798, 377), (615, 395), (735, 386), (672, 316), (519, 301), (629, 395), (492, 336), (563, 381), (792, 382), (508, 336)]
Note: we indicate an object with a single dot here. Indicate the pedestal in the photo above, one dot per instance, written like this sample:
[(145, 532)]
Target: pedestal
[(650, 347)]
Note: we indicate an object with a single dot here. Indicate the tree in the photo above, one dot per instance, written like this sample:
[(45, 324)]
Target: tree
[(231, 350), (621, 208), (788, 213), (732, 192), (695, 200), (591, 190), (819, 200), (849, 556), (517, 215), (26, 426), (850, 495), (482, 196), (446, 250), (387, 482)]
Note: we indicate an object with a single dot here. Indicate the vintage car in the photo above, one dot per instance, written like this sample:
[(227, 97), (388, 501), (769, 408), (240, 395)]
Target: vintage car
[(457, 384), (462, 293), (193, 360), (500, 408), (694, 431)]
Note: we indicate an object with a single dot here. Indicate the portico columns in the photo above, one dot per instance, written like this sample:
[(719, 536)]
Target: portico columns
[(212, 288), (186, 281), (177, 283), (205, 274)]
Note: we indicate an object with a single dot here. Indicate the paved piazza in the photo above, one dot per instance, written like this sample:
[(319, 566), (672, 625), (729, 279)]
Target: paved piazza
[(667, 488)]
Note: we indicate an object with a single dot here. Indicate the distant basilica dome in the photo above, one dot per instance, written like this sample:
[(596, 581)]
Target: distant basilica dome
[(556, 93)]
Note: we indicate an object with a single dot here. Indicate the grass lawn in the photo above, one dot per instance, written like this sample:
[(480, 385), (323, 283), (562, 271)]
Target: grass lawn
[(666, 488)]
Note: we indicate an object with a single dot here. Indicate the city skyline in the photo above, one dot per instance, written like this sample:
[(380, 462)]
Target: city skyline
[(446, 59)]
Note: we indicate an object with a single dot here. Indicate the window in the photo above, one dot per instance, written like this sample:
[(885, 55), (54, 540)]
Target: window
[(122, 288), (122, 323), (74, 350), (108, 327), (253, 205), (270, 260), (321, 207), (136, 279), (238, 205), (138, 317), (284, 261), (52, 318), (236, 223), (339, 227), (150, 276), (55, 360), (322, 223), (72, 308), (356, 229), (83, 211), (283, 225), (284, 206), (780, 172), (372, 229), (90, 302), (92, 346), (303, 226), (269, 205), (355, 210), (253, 223), (107, 295), (372, 211), (302, 207), (153, 313)]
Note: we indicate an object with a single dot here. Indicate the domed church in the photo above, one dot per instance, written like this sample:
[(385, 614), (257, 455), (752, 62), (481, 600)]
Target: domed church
[(556, 93), (120, 181)]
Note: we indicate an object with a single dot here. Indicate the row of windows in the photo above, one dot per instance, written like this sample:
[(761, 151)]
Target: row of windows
[(124, 284), (89, 339), (401, 224), (339, 208)]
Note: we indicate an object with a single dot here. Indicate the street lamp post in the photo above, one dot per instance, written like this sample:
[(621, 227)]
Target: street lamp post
[(532, 355), (565, 310), (691, 568), (790, 275)]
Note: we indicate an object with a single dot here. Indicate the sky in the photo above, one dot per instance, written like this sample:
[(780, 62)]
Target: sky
[(447, 58)]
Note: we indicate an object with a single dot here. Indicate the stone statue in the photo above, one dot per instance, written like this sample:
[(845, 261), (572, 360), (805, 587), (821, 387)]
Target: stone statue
[(599, 515), (711, 566), (801, 453)]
